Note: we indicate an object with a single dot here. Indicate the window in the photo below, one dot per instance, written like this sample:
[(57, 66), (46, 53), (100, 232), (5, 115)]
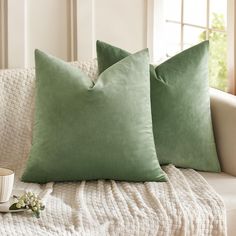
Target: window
[(188, 22)]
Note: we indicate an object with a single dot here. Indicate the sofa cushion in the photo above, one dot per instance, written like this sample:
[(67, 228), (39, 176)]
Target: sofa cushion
[(180, 102), (87, 131), (225, 186)]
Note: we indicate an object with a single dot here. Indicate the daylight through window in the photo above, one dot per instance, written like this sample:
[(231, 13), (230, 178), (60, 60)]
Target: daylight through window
[(188, 22)]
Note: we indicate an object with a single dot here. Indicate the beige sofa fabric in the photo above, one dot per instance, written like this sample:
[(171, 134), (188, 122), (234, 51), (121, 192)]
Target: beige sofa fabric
[(225, 186), (223, 107)]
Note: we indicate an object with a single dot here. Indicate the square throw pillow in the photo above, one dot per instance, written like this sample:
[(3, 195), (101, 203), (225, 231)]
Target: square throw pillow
[(86, 131), (180, 104)]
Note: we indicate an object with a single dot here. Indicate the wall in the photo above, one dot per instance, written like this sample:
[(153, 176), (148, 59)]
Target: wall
[(36, 24), (2, 34), (123, 23), (47, 28), (69, 28)]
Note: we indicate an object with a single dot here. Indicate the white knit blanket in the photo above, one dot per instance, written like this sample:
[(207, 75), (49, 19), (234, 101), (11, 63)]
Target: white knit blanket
[(185, 205)]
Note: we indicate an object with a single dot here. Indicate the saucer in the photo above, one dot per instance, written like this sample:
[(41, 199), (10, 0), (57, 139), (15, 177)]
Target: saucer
[(4, 207)]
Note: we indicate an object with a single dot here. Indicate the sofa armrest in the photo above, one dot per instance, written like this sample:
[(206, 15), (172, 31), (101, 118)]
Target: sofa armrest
[(223, 109)]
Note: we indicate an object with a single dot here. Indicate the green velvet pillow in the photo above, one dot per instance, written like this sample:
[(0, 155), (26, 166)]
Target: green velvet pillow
[(84, 131), (180, 104)]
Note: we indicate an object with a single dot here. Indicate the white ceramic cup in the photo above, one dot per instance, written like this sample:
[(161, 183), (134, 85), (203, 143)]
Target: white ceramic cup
[(6, 184)]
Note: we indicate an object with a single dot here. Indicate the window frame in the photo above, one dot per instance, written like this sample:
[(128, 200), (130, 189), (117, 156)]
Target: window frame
[(231, 46), (155, 24)]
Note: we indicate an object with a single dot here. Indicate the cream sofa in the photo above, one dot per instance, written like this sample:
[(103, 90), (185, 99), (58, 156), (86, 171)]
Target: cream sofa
[(18, 110), (223, 107)]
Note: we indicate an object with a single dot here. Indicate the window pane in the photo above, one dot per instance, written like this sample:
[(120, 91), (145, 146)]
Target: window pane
[(173, 10), (195, 12), (172, 35), (218, 14), (193, 35), (218, 60)]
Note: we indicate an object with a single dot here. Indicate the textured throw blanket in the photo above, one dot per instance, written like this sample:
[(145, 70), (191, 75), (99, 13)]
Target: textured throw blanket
[(185, 205)]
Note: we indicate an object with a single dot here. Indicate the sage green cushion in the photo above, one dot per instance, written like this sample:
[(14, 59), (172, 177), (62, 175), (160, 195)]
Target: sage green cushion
[(84, 131), (180, 104)]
